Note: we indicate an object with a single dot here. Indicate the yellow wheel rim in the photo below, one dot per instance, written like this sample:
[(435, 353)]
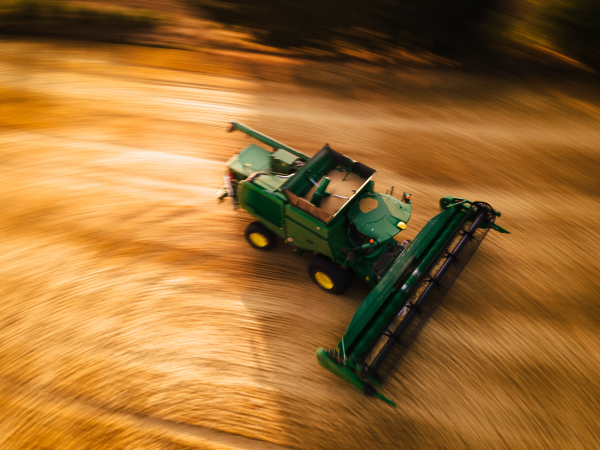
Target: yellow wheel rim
[(324, 280), (259, 240)]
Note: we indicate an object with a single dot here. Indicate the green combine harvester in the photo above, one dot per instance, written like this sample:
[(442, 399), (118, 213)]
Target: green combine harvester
[(327, 205)]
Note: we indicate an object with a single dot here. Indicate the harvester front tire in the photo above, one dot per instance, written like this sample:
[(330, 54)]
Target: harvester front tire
[(328, 275), (259, 236)]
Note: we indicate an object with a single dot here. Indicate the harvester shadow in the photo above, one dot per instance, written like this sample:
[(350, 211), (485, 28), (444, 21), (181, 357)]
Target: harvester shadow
[(293, 318)]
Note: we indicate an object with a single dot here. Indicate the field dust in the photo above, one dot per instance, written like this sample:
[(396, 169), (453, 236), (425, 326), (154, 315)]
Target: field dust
[(134, 315)]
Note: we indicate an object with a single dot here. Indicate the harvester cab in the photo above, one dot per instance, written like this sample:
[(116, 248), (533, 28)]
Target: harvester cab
[(326, 204)]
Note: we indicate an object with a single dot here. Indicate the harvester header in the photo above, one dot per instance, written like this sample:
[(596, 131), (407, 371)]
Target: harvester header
[(326, 204)]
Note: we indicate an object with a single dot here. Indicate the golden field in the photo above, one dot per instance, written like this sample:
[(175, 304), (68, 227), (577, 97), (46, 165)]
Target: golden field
[(133, 315)]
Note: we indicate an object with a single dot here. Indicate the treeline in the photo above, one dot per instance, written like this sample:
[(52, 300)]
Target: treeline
[(71, 19), (576, 24), (480, 30), (456, 29), (438, 25)]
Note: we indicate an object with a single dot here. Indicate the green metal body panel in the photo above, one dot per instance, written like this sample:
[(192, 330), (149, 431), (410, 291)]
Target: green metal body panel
[(282, 161), (249, 160), (378, 215), (306, 239), (262, 205), (309, 222), (271, 184)]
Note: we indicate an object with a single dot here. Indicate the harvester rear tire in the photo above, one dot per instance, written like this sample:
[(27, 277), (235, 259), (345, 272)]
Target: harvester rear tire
[(328, 275), (260, 237)]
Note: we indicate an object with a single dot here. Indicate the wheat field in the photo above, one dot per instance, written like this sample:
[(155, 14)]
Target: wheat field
[(133, 314)]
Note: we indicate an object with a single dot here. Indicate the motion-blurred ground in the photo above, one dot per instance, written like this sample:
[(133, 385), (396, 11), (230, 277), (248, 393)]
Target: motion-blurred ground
[(133, 314)]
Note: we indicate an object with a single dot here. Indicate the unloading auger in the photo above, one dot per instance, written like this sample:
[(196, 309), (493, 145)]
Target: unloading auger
[(326, 204)]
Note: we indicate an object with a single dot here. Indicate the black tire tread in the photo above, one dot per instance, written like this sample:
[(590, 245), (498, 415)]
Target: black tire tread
[(341, 277), (257, 227)]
